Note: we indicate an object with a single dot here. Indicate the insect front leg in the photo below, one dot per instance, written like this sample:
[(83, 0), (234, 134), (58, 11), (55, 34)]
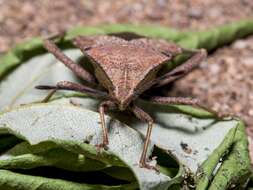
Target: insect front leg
[(143, 116), (77, 69), (103, 107), (66, 85)]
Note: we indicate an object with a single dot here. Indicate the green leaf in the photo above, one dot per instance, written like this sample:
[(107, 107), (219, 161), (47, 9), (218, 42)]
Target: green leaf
[(18, 86), (217, 37), (27, 157), (22, 51), (14, 181), (68, 127), (7, 142), (62, 124)]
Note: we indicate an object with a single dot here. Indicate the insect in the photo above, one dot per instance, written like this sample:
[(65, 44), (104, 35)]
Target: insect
[(126, 70)]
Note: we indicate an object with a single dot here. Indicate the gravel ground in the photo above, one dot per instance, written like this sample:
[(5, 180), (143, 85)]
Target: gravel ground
[(225, 83)]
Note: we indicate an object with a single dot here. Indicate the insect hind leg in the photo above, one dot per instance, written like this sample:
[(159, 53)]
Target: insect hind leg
[(143, 116)]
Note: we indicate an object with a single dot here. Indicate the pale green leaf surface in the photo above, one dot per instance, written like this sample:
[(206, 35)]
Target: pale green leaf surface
[(172, 129), (69, 123), (63, 122), (18, 87)]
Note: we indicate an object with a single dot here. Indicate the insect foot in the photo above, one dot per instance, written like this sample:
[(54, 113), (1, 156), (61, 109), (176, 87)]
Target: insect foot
[(102, 146), (148, 166)]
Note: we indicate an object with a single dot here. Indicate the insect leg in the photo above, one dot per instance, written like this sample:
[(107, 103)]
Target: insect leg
[(181, 70), (180, 100), (142, 115), (173, 100), (49, 96), (66, 85), (102, 108), (77, 69)]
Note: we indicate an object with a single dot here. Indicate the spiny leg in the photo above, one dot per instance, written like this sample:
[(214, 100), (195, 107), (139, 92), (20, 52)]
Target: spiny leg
[(104, 106), (77, 69), (180, 100), (66, 85), (143, 116), (173, 100)]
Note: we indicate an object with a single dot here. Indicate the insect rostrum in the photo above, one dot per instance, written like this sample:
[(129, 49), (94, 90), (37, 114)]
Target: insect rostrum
[(125, 69)]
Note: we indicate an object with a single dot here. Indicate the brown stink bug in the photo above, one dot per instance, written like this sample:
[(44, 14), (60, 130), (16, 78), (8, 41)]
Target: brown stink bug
[(125, 69)]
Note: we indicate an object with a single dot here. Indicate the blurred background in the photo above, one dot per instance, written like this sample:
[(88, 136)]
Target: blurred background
[(224, 84)]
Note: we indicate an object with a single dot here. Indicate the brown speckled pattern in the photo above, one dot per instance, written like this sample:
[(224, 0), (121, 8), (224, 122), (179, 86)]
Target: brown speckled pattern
[(126, 65), (168, 48)]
